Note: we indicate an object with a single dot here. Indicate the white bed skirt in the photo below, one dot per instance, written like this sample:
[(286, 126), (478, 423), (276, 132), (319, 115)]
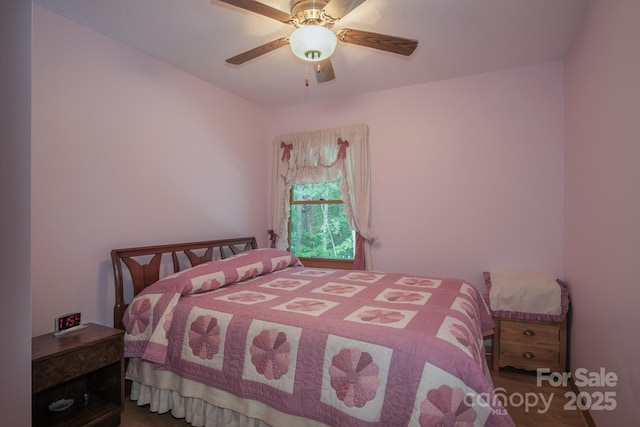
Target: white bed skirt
[(200, 405), (195, 411)]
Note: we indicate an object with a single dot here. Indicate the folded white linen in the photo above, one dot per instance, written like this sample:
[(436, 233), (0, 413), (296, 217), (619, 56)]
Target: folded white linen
[(524, 291)]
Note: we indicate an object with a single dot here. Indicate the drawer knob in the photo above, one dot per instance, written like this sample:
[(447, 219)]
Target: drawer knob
[(528, 333), (528, 355)]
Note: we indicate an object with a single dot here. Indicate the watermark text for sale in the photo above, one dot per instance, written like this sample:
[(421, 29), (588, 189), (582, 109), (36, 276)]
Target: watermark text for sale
[(601, 397)]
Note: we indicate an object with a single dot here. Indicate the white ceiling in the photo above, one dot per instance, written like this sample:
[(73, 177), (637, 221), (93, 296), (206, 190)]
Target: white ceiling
[(456, 38)]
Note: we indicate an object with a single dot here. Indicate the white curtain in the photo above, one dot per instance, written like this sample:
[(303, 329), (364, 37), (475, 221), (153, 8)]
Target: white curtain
[(324, 156)]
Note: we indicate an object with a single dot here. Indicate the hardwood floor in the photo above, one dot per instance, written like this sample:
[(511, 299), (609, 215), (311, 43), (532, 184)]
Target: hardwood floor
[(140, 416), (512, 381), (515, 383)]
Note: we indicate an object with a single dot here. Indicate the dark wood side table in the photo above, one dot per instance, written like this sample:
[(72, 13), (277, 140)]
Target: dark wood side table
[(86, 365)]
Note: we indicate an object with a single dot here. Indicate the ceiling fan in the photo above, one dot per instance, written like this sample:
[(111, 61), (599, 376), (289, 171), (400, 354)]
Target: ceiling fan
[(313, 39)]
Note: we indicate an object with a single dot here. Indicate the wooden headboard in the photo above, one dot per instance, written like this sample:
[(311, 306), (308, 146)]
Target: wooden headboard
[(144, 264)]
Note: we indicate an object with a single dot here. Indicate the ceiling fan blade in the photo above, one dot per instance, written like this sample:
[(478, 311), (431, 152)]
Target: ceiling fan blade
[(257, 51), (338, 9), (261, 9), (324, 71), (378, 41)]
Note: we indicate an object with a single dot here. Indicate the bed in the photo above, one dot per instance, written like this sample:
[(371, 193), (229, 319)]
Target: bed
[(222, 333)]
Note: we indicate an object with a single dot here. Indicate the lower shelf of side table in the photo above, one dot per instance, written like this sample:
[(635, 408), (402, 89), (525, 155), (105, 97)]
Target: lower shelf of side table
[(95, 412)]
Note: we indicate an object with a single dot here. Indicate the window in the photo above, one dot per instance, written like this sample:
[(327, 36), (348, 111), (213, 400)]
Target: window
[(318, 225), (324, 157)]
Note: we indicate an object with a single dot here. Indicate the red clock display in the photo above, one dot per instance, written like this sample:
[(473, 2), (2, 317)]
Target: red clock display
[(67, 321)]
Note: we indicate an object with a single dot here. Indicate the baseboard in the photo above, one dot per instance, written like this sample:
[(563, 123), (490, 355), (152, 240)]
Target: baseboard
[(586, 415)]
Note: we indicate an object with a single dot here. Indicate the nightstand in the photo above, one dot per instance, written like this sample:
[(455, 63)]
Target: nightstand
[(529, 344), (85, 365)]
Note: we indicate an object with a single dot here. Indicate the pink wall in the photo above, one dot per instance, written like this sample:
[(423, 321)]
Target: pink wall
[(467, 173), (602, 204), (15, 114), (128, 151)]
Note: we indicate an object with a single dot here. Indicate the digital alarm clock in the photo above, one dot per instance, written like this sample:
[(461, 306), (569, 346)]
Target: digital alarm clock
[(67, 322)]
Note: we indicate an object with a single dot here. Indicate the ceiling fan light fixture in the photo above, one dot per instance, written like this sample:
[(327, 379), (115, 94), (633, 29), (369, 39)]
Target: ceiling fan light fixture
[(313, 42)]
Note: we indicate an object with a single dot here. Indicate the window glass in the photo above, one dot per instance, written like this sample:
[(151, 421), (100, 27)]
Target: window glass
[(318, 223), (317, 191)]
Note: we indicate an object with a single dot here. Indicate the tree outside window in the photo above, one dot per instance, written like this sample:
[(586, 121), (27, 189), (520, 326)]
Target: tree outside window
[(318, 225)]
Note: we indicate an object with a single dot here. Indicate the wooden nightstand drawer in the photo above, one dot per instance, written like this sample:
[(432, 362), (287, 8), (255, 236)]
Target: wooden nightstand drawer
[(528, 357), (529, 345), (63, 367), (529, 333)]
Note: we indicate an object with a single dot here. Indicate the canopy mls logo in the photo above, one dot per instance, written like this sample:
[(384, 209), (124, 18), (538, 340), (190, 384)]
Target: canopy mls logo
[(541, 402)]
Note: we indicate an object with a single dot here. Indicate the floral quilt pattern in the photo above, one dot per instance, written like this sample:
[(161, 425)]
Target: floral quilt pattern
[(345, 348)]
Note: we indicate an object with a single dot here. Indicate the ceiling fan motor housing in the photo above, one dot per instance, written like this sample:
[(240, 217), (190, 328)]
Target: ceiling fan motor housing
[(309, 12)]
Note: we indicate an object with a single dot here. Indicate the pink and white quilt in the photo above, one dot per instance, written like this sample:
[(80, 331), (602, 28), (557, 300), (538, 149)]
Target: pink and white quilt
[(345, 348)]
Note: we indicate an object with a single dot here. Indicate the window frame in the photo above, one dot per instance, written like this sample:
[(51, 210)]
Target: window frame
[(317, 262)]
